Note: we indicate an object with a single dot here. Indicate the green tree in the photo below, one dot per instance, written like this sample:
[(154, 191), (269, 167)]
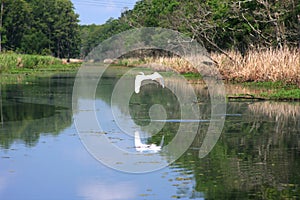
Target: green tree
[(38, 26), (16, 20), (219, 25)]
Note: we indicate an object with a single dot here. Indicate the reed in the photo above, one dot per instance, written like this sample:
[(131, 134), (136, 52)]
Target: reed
[(12, 61), (258, 65), (275, 65)]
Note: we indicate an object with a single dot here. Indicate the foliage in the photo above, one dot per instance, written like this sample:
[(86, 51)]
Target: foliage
[(219, 25), (93, 35), (40, 27)]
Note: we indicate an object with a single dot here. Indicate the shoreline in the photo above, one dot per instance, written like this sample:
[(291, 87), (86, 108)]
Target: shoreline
[(255, 90)]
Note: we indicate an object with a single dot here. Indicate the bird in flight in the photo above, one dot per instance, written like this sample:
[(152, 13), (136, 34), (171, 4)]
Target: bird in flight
[(142, 77)]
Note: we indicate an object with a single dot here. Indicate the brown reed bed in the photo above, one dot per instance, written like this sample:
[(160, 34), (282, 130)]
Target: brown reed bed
[(259, 65)]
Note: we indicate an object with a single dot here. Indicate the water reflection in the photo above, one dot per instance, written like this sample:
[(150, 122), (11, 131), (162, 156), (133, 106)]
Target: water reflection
[(141, 147), (257, 156), (108, 191), (30, 110)]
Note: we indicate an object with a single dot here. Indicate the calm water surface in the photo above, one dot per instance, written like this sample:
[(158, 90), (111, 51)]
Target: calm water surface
[(42, 157)]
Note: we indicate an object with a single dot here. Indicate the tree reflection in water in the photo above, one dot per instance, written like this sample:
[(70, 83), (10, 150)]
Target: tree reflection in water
[(28, 110), (257, 156)]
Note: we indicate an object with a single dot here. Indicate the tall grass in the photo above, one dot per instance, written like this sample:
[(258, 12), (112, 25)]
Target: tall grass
[(10, 61), (261, 65), (159, 63), (258, 65)]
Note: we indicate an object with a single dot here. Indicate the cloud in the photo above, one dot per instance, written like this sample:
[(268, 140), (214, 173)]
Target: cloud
[(3, 184), (107, 191)]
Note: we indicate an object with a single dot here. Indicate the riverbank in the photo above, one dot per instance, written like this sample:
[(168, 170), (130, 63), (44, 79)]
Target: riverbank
[(283, 84), (275, 72), (17, 68), (12, 63), (262, 91), (260, 65)]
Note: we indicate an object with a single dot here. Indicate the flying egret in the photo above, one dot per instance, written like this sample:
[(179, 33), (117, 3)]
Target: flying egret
[(140, 78), (141, 147)]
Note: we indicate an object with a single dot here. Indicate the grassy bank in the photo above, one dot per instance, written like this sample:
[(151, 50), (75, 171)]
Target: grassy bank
[(12, 63), (275, 65), (260, 65), (276, 71)]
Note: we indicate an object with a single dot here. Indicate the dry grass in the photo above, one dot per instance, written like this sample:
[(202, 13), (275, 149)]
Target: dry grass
[(176, 63), (159, 63), (257, 65), (261, 65)]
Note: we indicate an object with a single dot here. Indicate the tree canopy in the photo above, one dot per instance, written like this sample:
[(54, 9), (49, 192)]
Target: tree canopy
[(51, 26), (218, 24), (40, 27)]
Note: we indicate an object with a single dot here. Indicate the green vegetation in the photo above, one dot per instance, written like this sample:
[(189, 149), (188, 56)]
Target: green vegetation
[(50, 27), (9, 61), (219, 25), (283, 94), (249, 40), (47, 27), (190, 75), (278, 91), (24, 63)]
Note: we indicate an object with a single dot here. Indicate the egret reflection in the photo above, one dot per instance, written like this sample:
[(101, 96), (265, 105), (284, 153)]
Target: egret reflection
[(149, 148)]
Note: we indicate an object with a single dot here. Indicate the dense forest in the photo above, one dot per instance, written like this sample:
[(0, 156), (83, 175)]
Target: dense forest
[(47, 27), (51, 26), (218, 25)]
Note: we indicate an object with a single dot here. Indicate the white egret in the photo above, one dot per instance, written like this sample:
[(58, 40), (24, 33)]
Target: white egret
[(142, 77), (141, 147)]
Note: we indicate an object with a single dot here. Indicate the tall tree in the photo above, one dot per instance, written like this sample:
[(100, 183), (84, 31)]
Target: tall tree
[(1, 22), (40, 27), (16, 19)]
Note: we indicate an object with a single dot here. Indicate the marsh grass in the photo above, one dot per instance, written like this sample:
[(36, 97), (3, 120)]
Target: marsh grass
[(13, 61), (259, 65), (272, 65)]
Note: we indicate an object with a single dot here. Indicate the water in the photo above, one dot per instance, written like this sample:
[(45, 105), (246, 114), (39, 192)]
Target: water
[(42, 156)]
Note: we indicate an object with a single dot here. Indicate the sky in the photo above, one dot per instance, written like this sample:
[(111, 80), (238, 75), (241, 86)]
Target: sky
[(99, 11)]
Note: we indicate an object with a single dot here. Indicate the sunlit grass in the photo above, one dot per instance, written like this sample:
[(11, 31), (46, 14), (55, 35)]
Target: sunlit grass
[(272, 65), (260, 65), (14, 62)]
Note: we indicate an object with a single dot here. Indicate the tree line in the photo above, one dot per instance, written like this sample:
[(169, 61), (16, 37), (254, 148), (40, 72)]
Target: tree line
[(51, 26), (219, 25), (47, 27)]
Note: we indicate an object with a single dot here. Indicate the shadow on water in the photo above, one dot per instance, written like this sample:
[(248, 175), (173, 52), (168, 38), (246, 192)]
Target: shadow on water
[(42, 106), (257, 156)]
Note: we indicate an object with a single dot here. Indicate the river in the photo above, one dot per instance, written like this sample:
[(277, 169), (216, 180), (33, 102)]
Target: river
[(42, 155)]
